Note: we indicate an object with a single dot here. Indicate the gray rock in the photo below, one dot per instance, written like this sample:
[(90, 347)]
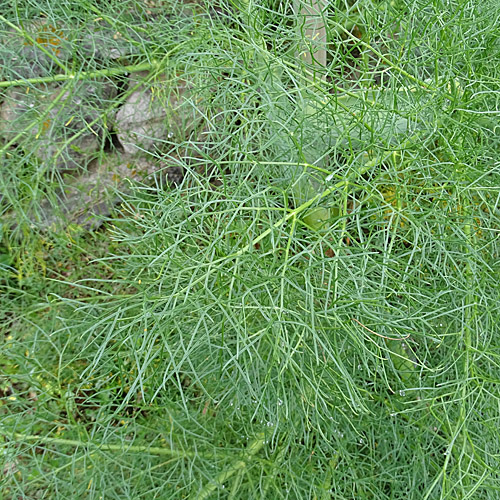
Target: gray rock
[(140, 124), (22, 57), (86, 199), (61, 135), (157, 116)]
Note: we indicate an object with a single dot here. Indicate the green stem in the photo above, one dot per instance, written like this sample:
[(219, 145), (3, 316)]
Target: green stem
[(153, 450), (82, 75), (254, 447), (292, 214)]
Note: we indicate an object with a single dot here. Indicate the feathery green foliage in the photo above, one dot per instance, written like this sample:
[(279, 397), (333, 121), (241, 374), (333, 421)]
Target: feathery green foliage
[(313, 312)]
